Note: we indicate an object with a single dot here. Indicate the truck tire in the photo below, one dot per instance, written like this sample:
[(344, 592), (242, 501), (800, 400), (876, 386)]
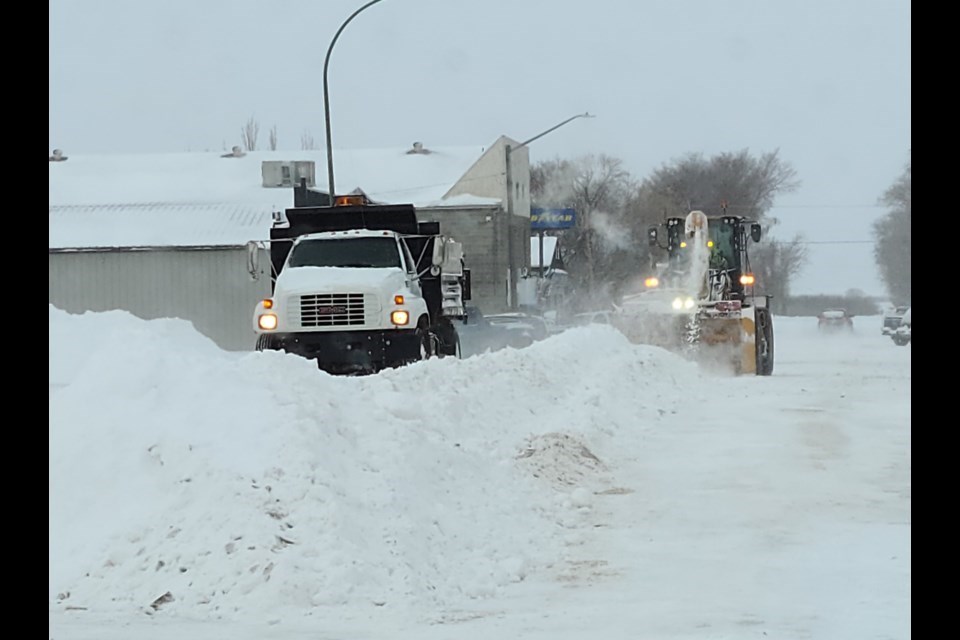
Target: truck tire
[(448, 340), (764, 341), (264, 343), (900, 341), (428, 340), (447, 352)]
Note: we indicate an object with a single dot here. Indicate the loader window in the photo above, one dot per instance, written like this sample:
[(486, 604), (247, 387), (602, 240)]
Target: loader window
[(722, 255), (369, 253)]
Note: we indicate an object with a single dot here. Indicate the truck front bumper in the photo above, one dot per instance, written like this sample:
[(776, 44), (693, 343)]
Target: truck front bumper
[(350, 352)]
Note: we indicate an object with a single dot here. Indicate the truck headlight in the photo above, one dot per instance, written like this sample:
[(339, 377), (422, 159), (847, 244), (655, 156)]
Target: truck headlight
[(400, 317), (267, 322)]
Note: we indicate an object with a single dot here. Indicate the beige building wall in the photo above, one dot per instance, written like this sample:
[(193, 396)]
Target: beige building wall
[(209, 286)]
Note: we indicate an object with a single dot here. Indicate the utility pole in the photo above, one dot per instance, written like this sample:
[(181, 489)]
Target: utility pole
[(511, 262), (326, 99)]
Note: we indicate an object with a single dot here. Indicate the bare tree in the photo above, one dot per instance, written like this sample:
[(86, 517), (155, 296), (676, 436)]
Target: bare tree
[(599, 251), (736, 183), (745, 185), (273, 138), (607, 251), (249, 133), (307, 142), (775, 265), (893, 238)]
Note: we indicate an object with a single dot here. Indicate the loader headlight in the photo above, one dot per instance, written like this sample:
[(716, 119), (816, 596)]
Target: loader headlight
[(747, 279), (267, 322), (683, 304), (400, 317)]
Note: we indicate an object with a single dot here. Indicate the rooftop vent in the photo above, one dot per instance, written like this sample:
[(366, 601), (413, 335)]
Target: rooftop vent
[(419, 148), (236, 152), (57, 156), (288, 173)]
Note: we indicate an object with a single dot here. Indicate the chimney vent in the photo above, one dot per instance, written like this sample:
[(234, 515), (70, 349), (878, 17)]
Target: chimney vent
[(419, 149)]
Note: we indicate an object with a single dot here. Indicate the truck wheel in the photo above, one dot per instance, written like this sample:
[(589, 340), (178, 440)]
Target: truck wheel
[(900, 341), (428, 341), (764, 341), (264, 343)]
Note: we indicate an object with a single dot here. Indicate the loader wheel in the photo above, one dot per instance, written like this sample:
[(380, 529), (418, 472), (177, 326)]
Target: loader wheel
[(764, 341)]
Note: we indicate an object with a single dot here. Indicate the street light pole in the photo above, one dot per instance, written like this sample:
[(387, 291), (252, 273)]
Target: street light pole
[(326, 97), (509, 170)]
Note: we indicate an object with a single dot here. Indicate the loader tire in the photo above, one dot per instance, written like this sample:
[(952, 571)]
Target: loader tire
[(764, 341)]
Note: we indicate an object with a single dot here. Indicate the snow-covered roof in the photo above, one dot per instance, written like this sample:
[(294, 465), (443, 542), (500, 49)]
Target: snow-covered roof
[(157, 225), (202, 198)]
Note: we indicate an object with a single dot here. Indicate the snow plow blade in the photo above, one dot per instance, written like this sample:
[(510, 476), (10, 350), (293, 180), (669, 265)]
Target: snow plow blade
[(728, 342), (740, 341)]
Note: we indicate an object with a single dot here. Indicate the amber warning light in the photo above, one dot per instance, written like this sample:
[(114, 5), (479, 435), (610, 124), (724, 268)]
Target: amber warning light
[(349, 201)]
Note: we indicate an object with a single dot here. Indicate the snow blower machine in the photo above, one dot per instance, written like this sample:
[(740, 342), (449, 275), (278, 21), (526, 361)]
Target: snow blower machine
[(701, 301)]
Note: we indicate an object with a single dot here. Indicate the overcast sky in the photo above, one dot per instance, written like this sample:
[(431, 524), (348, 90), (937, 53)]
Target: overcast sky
[(825, 82)]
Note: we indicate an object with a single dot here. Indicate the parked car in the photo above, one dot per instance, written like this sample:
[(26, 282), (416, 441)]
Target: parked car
[(833, 320), (522, 329), (592, 317), (901, 336), (892, 318), (480, 333)]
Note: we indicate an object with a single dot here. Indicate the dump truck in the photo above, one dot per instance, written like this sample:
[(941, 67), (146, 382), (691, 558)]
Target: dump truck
[(359, 286), (701, 300)]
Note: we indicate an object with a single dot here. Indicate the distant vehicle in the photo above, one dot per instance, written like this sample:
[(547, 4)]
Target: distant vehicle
[(592, 317), (522, 329), (833, 320), (901, 336), (481, 333), (891, 319)]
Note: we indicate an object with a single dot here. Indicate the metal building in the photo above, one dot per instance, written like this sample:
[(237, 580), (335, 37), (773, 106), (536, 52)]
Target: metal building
[(165, 236)]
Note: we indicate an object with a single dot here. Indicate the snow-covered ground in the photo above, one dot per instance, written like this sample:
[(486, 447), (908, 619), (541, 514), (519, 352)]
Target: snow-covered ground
[(583, 487)]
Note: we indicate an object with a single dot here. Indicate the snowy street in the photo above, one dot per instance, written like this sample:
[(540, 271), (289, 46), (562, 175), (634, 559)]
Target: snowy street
[(581, 487)]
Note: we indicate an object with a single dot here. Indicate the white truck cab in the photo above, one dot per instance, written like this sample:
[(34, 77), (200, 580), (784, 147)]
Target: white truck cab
[(361, 288)]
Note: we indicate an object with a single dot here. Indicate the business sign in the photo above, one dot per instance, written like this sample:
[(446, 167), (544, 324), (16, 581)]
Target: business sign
[(552, 218)]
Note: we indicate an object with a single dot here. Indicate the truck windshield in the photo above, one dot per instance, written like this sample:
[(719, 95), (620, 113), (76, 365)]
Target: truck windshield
[(371, 253)]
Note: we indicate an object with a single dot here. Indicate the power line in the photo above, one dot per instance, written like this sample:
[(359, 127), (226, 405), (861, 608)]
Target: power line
[(825, 242)]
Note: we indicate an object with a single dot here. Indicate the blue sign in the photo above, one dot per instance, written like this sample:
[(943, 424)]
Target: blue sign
[(552, 218)]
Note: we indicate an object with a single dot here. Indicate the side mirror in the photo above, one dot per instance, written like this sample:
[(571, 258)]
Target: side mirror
[(253, 260), (755, 232), (652, 236)]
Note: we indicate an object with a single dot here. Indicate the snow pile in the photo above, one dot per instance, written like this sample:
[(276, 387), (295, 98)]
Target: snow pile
[(220, 484)]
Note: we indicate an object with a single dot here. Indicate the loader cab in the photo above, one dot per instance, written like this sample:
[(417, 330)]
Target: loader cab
[(729, 268)]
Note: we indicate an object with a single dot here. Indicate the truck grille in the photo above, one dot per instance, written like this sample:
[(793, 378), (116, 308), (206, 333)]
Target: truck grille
[(331, 310)]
